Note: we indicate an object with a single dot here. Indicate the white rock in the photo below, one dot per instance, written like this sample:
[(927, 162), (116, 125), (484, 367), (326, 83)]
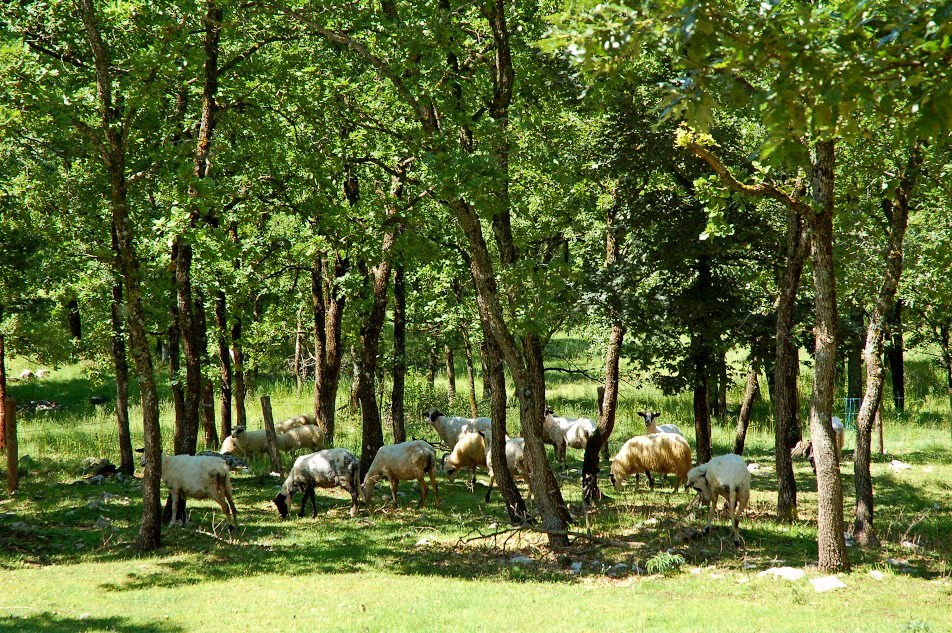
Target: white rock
[(898, 465), (827, 583), (695, 570), (875, 573), (741, 581), (787, 573), (576, 568), (752, 467), (910, 545), (423, 542), (521, 560), (927, 469)]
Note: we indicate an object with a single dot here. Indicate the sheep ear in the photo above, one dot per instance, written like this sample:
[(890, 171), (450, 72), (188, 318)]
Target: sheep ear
[(642, 414), (481, 433), (656, 414)]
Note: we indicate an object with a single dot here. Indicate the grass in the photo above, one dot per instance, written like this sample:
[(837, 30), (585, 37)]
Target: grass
[(63, 568)]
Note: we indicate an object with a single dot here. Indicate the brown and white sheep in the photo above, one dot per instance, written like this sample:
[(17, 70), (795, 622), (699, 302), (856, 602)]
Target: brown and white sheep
[(660, 453)]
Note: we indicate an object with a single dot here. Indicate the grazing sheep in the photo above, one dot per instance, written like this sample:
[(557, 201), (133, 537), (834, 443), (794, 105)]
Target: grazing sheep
[(26, 375), (198, 477), (402, 462), (724, 476), (804, 448), (450, 428), (292, 423), (661, 453), (324, 469), (563, 432), (515, 460), (250, 443), (654, 427), (42, 373), (469, 452)]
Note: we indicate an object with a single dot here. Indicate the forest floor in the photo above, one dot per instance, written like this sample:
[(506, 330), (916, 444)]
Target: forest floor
[(67, 561)]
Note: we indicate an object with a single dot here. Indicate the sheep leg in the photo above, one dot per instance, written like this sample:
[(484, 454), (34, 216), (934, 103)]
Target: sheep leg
[(422, 483), (394, 482), (734, 516), (472, 481), (489, 491), (436, 489), (353, 502), (650, 479), (303, 504), (175, 502), (313, 504), (710, 514)]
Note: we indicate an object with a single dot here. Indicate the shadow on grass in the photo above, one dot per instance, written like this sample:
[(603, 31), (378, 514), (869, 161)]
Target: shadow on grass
[(49, 623)]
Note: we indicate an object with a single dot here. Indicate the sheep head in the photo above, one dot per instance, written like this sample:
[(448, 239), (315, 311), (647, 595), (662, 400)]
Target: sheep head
[(281, 501)]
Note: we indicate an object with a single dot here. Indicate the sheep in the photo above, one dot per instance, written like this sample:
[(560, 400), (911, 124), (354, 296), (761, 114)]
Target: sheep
[(255, 442), (662, 453), (324, 469), (42, 373), (804, 448), (515, 460), (450, 428), (563, 432), (724, 476), (198, 477), (292, 423), (402, 462), (654, 427), (26, 375), (469, 452)]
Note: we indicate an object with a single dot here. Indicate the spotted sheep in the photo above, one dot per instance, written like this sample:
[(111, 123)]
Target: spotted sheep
[(329, 468)]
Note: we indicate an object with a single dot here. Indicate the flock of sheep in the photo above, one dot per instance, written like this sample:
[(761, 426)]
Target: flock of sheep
[(663, 450)]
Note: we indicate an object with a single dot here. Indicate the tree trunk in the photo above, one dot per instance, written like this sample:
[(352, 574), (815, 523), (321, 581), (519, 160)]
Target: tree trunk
[(208, 389), (496, 379), (298, 370), (329, 302), (238, 372), (895, 354), (121, 364), (114, 160), (722, 386), (854, 356), (3, 387), (947, 361), (898, 214), (747, 406), (432, 362), (399, 355), (74, 320), (470, 372), (832, 546), (186, 429), (224, 361), (702, 408), (175, 353), (448, 356), (606, 418), (786, 370)]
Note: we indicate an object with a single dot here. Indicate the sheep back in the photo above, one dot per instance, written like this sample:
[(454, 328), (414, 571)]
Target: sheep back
[(661, 453)]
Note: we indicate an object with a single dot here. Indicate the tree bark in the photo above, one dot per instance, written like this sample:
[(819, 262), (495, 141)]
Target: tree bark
[(702, 359), (208, 389), (864, 530), (224, 361), (747, 406), (947, 361), (121, 365), (606, 418), (114, 159), (895, 354), (328, 303), (448, 357), (496, 379), (399, 354), (432, 362), (854, 355), (470, 371), (298, 370), (186, 429), (9, 422), (238, 372), (830, 539), (3, 387), (787, 369), (175, 352)]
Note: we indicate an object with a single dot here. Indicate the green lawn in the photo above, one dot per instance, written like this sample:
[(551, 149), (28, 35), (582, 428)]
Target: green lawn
[(63, 568)]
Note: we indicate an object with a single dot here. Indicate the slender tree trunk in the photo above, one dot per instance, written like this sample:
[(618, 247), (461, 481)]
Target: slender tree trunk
[(175, 354), (399, 354), (432, 362), (470, 372), (450, 373), (854, 355), (786, 397), (722, 386), (947, 361), (880, 447), (832, 546), (238, 363), (895, 354), (864, 529), (702, 408), (3, 387), (121, 364), (328, 302), (186, 429), (496, 379), (298, 377), (606, 418), (747, 406), (224, 361), (208, 389)]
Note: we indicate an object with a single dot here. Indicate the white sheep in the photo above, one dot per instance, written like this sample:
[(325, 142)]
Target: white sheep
[(469, 452), (661, 453), (245, 442), (450, 428), (292, 423), (402, 462), (724, 476), (324, 469), (515, 460), (26, 375), (198, 477), (653, 427), (804, 448), (42, 373), (562, 432)]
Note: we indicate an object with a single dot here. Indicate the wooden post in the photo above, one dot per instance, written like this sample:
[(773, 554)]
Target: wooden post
[(13, 458), (276, 465)]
